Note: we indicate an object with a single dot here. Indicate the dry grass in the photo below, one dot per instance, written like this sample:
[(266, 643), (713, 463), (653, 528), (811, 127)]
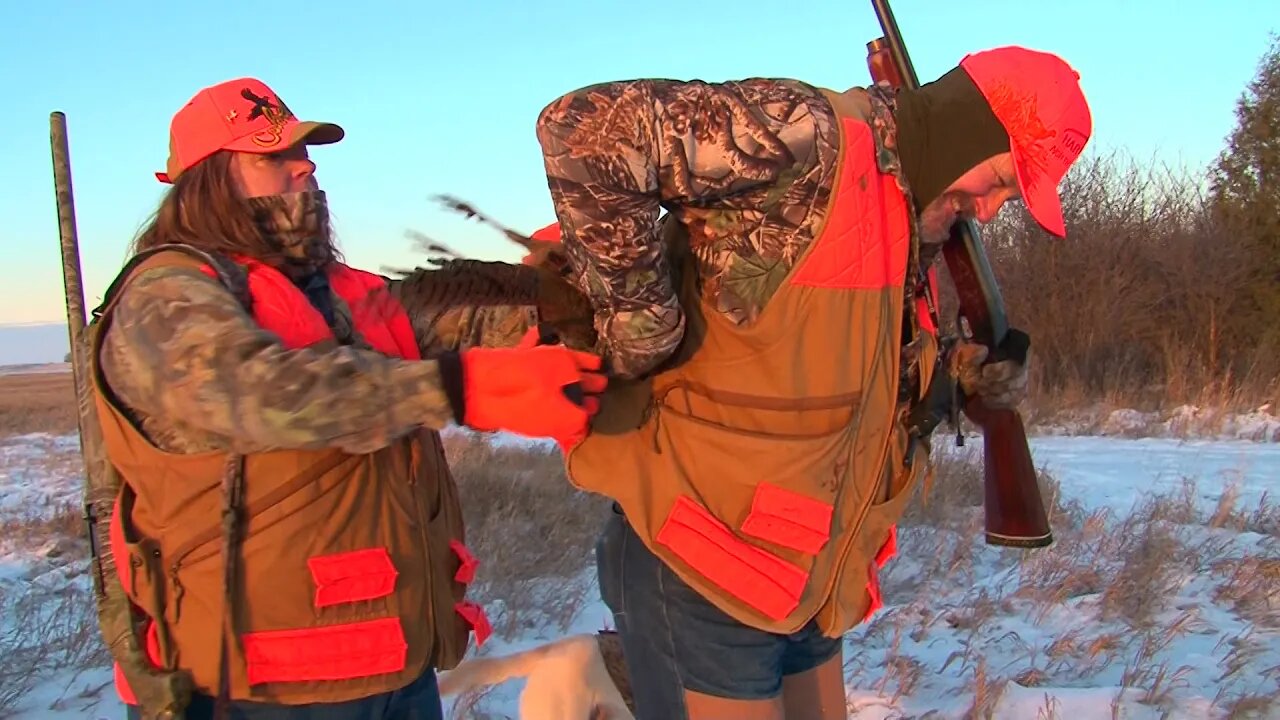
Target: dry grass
[(1120, 314), (47, 631), (49, 625), (533, 533), (57, 528), (1105, 606), (37, 402)]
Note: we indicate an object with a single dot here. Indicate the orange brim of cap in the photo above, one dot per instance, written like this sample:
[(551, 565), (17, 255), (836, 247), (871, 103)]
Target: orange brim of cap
[(308, 132), (1041, 198)]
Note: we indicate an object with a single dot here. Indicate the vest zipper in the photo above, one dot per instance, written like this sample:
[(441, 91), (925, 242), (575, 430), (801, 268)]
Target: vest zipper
[(424, 527), (871, 496), (177, 587), (862, 517)]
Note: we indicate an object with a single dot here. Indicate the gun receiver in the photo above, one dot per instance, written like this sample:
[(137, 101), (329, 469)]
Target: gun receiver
[(1015, 513)]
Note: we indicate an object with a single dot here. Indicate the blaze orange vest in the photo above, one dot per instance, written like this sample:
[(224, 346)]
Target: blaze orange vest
[(353, 567), (768, 465)]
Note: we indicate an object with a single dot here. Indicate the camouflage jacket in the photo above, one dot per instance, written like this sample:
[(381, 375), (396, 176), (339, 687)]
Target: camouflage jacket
[(748, 167), (198, 373)]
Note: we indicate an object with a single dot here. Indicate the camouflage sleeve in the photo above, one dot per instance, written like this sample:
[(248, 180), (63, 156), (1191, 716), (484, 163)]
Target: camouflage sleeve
[(617, 152), (475, 303), (441, 327), (181, 348)]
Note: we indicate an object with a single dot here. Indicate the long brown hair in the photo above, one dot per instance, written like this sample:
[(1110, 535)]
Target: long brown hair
[(204, 209)]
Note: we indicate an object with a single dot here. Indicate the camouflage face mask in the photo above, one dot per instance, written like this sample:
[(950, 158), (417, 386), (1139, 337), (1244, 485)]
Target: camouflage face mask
[(296, 225)]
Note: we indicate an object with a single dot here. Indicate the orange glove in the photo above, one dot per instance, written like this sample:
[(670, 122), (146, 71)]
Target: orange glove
[(543, 334), (531, 390)]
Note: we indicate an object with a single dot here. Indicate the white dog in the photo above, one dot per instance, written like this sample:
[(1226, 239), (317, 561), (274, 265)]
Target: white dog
[(564, 680)]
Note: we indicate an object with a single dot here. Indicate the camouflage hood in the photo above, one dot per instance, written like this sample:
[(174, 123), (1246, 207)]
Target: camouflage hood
[(944, 129)]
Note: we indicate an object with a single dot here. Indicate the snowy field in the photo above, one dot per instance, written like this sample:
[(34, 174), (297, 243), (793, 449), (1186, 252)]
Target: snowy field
[(1141, 609)]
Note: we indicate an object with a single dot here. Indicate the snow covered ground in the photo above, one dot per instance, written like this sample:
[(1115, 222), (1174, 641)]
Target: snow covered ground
[(1182, 422), (1174, 613)]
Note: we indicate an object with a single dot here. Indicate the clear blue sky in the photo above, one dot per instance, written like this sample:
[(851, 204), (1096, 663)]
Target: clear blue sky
[(441, 97)]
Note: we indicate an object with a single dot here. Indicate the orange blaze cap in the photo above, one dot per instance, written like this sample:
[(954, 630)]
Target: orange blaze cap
[(243, 115), (1036, 96), (550, 233)]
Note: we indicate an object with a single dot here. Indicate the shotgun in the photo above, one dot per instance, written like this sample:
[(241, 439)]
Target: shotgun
[(161, 694), (1015, 514)]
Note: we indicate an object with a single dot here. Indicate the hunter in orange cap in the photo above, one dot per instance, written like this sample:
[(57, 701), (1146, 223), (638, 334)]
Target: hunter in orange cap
[(1037, 99), (242, 115), (241, 370), (770, 338)]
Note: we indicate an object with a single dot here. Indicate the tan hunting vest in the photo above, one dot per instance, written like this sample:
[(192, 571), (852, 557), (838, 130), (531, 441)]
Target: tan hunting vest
[(353, 569), (769, 466)]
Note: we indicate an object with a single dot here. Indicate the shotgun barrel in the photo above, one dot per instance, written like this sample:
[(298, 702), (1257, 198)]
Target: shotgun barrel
[(160, 694), (1015, 513)]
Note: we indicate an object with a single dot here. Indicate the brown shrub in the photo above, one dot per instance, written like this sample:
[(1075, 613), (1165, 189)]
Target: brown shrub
[(1143, 304)]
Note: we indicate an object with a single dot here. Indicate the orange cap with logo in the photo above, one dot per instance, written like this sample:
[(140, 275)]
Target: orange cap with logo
[(243, 115), (1036, 96)]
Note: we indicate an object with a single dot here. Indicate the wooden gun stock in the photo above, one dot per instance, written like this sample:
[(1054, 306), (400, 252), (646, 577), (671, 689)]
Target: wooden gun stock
[(1015, 513)]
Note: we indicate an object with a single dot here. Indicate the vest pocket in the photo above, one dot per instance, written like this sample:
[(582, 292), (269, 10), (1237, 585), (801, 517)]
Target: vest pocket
[(150, 593), (783, 486), (762, 580), (348, 577), (332, 652), (789, 519), (747, 513), (784, 418)]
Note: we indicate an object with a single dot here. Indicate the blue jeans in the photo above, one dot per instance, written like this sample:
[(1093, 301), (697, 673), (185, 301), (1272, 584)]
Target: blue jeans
[(419, 700), (675, 640)]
